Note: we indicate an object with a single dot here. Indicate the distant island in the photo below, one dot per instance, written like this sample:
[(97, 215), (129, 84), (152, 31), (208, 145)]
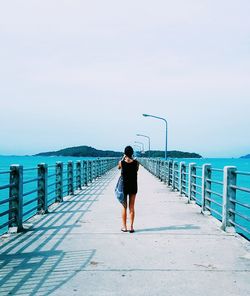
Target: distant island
[(87, 151), (245, 156), (82, 151), (172, 154)]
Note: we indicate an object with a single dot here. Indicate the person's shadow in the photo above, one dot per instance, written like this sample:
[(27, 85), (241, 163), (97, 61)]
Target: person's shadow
[(172, 227)]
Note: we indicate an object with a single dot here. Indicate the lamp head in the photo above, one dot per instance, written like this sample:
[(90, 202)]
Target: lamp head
[(145, 115)]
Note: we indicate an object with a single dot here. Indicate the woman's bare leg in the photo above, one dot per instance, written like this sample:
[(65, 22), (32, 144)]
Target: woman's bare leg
[(124, 217), (132, 210)]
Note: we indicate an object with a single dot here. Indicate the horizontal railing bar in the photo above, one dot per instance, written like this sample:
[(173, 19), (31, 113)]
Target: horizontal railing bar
[(6, 186), (30, 201), (240, 203), (198, 186), (52, 184), (4, 201), (5, 172), (51, 175), (240, 188), (30, 211), (30, 169), (239, 226), (4, 213), (213, 211), (243, 173), (193, 197), (7, 223), (53, 191), (52, 198), (30, 192), (30, 181), (214, 192), (214, 201), (216, 170), (215, 181), (195, 191), (196, 176), (240, 215)]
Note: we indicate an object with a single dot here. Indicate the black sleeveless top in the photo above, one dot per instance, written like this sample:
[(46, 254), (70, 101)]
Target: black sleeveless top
[(129, 173)]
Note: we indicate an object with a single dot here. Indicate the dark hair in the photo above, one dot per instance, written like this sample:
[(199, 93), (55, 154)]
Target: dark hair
[(128, 151)]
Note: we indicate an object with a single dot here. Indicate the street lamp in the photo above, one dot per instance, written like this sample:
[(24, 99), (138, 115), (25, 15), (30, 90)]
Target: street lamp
[(141, 144), (140, 135), (137, 147), (157, 117), (139, 150)]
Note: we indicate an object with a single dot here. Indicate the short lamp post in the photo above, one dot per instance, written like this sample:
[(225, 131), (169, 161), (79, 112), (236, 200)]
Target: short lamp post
[(140, 135), (157, 117), (142, 145)]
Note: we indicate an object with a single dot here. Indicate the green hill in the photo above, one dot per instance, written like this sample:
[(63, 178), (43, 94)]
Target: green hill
[(87, 151), (82, 151), (172, 154), (245, 156)]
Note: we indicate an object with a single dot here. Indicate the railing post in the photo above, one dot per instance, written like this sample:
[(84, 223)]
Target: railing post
[(70, 176), (159, 169), (90, 171), (16, 197), (206, 187), (191, 180), (165, 171), (170, 165), (59, 181), (181, 174), (78, 175), (42, 203), (93, 169), (173, 176), (229, 194), (102, 170), (85, 173), (162, 170)]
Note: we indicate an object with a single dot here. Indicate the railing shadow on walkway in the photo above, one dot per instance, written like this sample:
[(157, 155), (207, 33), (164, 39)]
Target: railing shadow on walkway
[(32, 263)]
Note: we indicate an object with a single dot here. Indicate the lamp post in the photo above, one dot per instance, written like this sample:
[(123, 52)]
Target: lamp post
[(141, 144), (140, 135), (137, 147), (139, 150), (157, 117)]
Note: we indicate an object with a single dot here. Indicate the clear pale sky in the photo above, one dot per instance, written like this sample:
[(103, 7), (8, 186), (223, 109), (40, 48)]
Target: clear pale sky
[(82, 73)]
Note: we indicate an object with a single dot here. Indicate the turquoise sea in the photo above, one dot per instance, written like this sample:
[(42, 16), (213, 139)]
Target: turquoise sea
[(29, 162)]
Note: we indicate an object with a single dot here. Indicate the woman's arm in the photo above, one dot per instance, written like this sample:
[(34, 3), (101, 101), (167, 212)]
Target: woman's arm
[(120, 162)]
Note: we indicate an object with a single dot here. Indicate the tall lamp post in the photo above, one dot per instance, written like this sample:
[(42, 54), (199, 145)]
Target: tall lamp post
[(157, 117), (140, 135)]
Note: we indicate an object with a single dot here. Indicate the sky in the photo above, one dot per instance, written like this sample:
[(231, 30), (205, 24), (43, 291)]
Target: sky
[(83, 72)]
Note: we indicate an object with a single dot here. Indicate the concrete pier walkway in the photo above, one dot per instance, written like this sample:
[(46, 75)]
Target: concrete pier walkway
[(78, 248)]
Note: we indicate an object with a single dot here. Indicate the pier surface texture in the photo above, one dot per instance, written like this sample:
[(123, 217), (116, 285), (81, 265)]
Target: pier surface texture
[(78, 248)]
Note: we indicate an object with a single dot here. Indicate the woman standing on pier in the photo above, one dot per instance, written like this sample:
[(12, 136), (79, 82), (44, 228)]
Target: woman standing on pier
[(129, 168)]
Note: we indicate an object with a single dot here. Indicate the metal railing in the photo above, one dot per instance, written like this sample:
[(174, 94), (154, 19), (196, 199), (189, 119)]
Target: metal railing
[(31, 191), (216, 191)]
